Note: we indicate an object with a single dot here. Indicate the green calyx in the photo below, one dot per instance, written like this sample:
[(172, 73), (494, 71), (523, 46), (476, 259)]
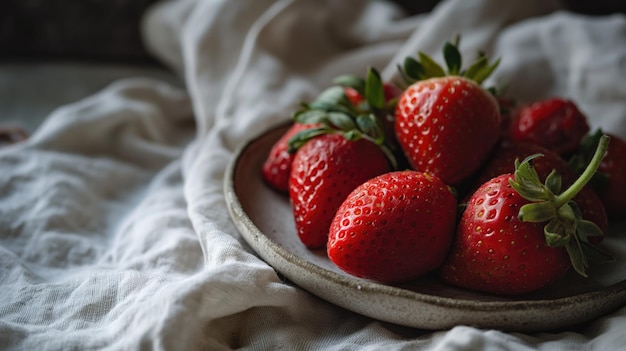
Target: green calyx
[(424, 67), (335, 114), (565, 226)]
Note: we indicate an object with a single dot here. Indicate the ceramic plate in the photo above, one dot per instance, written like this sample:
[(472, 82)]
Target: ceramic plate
[(265, 221)]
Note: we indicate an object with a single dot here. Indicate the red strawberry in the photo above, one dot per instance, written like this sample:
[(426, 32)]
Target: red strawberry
[(557, 124), (324, 171), (392, 92), (277, 165), (348, 148), (508, 107), (503, 161), (447, 125), (610, 181), (613, 166), (394, 228), (496, 252), (517, 236), (354, 96)]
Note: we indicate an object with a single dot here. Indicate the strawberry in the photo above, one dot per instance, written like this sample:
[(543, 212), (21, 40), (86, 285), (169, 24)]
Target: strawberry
[(324, 171), (348, 148), (495, 252), (556, 123), (447, 125), (610, 181), (354, 96), (503, 159), (508, 108), (392, 92), (277, 165), (394, 228), (517, 235)]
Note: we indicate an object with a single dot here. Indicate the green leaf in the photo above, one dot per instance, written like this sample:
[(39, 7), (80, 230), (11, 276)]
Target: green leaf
[(331, 96), (475, 67), (352, 135), (528, 160), (431, 68), (304, 136), (568, 214), (527, 182), (413, 69), (341, 121), (530, 190), (330, 107), (537, 212), (374, 92), (586, 229), (553, 182), (453, 58), (555, 234), (348, 80), (577, 257), (311, 116), (368, 125), (575, 210), (485, 72)]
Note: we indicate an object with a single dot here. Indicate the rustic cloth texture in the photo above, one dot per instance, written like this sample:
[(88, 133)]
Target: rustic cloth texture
[(114, 233)]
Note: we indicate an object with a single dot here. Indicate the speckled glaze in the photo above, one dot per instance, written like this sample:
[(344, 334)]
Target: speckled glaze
[(265, 221)]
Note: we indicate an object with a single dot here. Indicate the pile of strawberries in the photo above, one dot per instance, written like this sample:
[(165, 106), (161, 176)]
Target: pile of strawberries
[(441, 176)]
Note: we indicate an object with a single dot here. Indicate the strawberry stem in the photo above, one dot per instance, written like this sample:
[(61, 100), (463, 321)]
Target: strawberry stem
[(564, 226), (586, 176)]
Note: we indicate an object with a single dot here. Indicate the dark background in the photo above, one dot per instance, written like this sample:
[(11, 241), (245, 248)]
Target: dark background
[(109, 29)]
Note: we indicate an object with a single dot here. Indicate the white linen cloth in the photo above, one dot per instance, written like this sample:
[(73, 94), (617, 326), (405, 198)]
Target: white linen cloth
[(114, 234)]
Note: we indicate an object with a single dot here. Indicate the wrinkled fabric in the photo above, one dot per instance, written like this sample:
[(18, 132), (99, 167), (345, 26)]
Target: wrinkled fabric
[(114, 232)]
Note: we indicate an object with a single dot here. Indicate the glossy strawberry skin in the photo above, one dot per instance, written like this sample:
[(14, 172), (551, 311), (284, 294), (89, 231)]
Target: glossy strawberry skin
[(391, 91), (495, 252), (503, 161), (447, 126), (353, 96), (324, 171), (394, 228), (613, 193), (556, 124), (277, 166)]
